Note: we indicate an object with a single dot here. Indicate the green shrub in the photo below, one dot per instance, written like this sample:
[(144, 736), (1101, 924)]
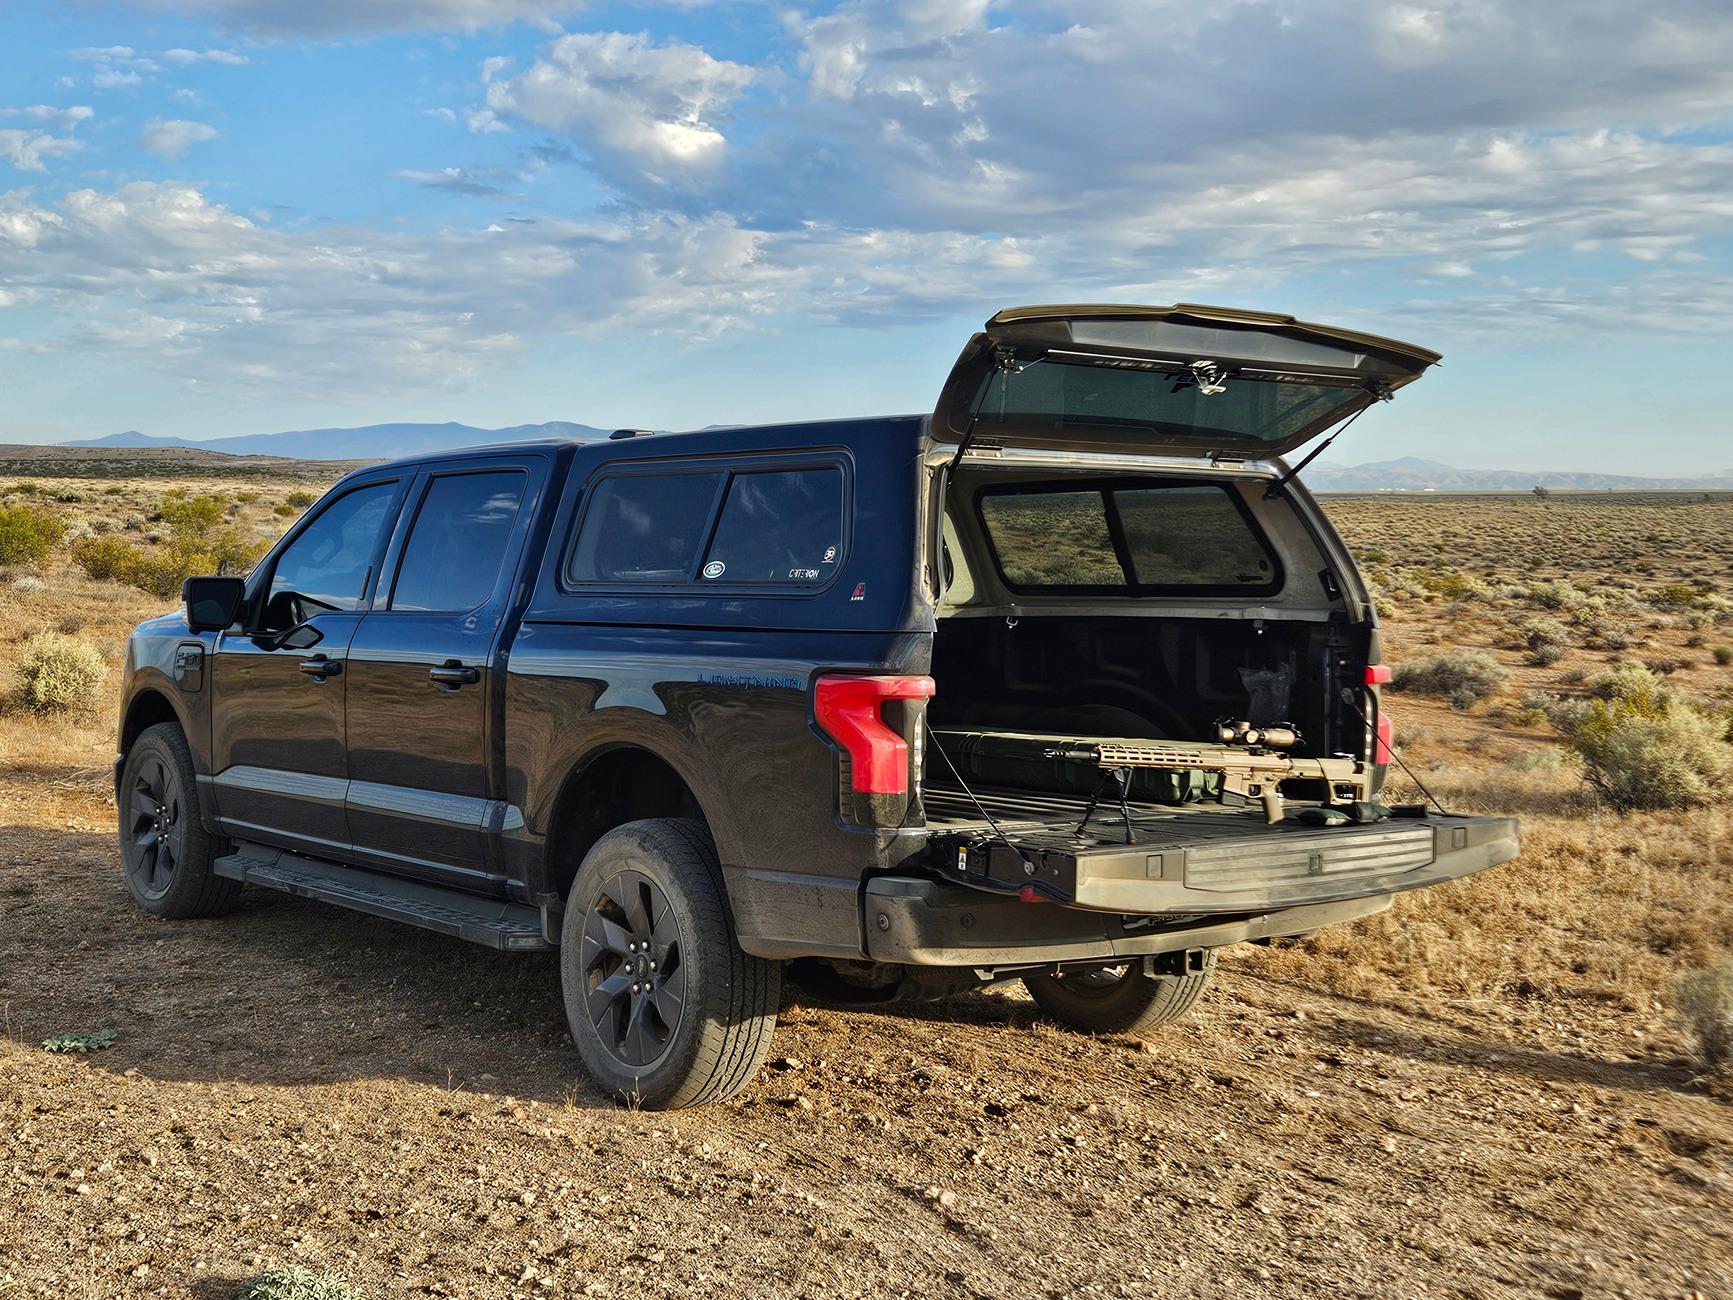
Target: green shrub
[(1644, 747), (1676, 595), (28, 534), (190, 518), (1723, 654), (1463, 677), (60, 673), (160, 570), (105, 558), (1705, 999), (293, 1282), (1545, 641), (300, 499)]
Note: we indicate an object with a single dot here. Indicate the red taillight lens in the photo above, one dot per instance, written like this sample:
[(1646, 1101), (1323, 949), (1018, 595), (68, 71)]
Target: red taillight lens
[(1386, 738), (847, 708), (1377, 675)]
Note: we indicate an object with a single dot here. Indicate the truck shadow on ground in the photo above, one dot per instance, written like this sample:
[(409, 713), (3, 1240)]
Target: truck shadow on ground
[(285, 991)]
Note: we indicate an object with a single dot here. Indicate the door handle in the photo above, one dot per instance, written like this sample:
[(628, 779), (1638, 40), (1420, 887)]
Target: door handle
[(453, 676), (319, 667)]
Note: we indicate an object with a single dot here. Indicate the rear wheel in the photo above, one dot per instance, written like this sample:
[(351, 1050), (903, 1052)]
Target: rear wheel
[(164, 848), (1117, 999), (665, 1008)]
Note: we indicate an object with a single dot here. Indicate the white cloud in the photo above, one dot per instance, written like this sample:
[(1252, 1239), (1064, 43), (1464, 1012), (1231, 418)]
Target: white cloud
[(221, 300), (643, 112), (116, 67), (458, 180), (330, 18), (30, 149), (183, 58), (171, 137)]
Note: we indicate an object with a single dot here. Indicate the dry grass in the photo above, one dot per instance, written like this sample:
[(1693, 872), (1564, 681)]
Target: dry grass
[(1484, 1090)]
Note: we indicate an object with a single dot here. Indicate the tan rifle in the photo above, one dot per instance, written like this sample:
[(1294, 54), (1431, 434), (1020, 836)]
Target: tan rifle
[(1249, 773)]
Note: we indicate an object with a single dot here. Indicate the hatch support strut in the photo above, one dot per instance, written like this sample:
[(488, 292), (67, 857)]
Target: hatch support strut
[(1380, 393)]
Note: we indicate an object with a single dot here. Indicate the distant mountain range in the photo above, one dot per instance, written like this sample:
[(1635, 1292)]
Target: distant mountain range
[(1412, 474), (382, 441), (370, 442)]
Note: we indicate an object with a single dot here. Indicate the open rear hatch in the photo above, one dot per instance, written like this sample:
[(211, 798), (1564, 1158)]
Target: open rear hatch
[(1187, 379)]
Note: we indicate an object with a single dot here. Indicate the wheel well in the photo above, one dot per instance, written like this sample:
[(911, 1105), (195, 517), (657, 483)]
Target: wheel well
[(620, 786), (146, 710)]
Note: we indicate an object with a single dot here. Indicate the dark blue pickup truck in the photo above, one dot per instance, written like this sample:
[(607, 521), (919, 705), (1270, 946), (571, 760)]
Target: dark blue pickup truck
[(1069, 681)]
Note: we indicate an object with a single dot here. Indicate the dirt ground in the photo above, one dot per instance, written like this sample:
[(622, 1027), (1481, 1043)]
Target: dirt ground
[(1480, 1093)]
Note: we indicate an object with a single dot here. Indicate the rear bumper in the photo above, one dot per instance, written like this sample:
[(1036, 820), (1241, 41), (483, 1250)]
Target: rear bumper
[(1136, 902)]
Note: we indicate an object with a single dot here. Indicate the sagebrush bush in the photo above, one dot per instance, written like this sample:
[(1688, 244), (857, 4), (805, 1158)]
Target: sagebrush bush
[(1705, 999), (60, 673), (28, 534), (1463, 677), (293, 1282), (1545, 641), (105, 558), (1723, 654), (1642, 745)]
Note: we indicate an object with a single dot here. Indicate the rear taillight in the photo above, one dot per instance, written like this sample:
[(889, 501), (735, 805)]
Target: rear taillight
[(1386, 740), (1377, 675), (850, 710)]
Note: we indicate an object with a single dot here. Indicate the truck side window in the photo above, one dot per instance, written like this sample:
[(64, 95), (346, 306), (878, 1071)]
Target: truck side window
[(458, 542), (326, 567), (781, 526), (644, 528)]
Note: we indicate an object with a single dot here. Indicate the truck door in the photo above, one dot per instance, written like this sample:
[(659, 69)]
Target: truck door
[(278, 692), (422, 723)]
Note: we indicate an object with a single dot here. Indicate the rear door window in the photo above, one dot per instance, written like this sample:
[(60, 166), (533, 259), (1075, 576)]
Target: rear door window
[(644, 528), (781, 526), (1127, 537), (458, 543)]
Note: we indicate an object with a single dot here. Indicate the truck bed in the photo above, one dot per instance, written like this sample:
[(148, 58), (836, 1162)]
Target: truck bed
[(1193, 858)]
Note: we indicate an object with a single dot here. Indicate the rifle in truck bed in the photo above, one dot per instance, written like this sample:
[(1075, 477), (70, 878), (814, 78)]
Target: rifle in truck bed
[(1247, 771)]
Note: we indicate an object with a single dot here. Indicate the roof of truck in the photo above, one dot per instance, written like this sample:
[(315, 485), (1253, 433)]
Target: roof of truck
[(712, 437)]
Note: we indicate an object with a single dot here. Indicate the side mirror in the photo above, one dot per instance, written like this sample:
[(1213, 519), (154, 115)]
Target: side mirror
[(212, 603)]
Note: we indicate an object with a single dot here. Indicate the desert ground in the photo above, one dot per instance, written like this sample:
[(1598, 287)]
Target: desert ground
[(1486, 1091)]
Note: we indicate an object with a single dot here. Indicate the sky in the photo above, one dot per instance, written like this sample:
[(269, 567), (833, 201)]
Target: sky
[(223, 217)]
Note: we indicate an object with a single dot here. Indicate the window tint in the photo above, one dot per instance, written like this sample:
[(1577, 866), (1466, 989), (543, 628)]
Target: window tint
[(326, 567), (1057, 395), (644, 528), (1190, 536), (458, 543), (1052, 539), (1177, 536), (779, 526)]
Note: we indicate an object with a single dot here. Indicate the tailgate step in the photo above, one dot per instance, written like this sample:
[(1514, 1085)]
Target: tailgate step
[(491, 922)]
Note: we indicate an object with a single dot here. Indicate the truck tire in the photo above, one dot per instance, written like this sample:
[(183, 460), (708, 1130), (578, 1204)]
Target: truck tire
[(665, 1008), (164, 848), (1117, 1000)]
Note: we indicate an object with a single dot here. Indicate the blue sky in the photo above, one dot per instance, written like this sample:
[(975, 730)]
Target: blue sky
[(237, 216)]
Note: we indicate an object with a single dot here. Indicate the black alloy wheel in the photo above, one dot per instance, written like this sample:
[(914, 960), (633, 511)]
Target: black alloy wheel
[(155, 836), (633, 969)]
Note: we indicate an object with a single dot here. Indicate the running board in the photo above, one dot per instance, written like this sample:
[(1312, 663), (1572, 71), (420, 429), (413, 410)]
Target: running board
[(488, 921)]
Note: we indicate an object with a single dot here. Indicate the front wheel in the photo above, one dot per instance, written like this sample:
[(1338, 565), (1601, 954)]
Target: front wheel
[(164, 847), (1117, 999), (665, 1008)]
